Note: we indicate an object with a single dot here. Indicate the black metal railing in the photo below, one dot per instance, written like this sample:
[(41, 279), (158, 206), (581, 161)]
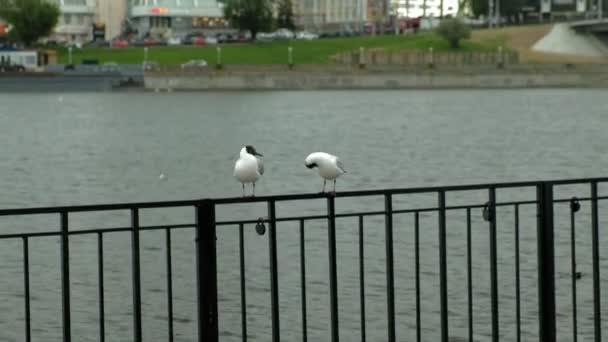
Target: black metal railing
[(207, 269)]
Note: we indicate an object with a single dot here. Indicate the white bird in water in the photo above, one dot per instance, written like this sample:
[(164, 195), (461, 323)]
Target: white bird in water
[(162, 176), (329, 166), (248, 168)]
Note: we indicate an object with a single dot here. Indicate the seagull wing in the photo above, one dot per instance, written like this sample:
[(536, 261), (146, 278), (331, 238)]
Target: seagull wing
[(340, 165), (260, 166)]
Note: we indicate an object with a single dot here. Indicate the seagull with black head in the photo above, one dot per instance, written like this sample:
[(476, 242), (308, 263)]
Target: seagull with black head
[(329, 166), (249, 168)]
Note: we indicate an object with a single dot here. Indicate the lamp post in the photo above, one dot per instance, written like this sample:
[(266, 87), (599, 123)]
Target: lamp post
[(70, 55)]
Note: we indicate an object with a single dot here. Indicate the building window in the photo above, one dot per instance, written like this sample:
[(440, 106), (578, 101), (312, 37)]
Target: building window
[(67, 19)]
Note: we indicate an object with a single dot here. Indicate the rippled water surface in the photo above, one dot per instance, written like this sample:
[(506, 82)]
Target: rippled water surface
[(68, 149)]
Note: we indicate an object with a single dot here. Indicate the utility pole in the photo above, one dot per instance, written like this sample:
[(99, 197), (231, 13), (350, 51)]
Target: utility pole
[(600, 9), (441, 9)]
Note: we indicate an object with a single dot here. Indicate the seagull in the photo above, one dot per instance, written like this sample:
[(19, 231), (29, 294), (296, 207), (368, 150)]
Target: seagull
[(329, 167), (248, 168)]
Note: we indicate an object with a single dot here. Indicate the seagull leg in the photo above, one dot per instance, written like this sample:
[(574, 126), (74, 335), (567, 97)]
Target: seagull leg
[(323, 190), (333, 193), (253, 194), (243, 184)]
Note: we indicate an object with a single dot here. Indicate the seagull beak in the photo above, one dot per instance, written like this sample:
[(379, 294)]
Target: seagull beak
[(258, 154)]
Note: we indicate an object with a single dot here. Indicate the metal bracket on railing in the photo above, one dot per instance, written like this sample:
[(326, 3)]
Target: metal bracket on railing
[(260, 228), (574, 204), (488, 212)]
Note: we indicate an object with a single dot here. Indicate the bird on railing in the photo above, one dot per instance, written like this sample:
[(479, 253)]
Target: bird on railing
[(248, 168), (329, 166)]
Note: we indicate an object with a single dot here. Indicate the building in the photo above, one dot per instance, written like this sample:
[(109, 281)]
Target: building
[(164, 18), (425, 8), (75, 22), (110, 16), (330, 15)]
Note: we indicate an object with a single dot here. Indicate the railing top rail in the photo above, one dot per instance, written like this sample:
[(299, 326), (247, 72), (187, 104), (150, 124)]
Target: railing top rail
[(292, 197)]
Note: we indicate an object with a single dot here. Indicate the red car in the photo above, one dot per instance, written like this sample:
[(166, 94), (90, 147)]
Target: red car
[(198, 41), (120, 43)]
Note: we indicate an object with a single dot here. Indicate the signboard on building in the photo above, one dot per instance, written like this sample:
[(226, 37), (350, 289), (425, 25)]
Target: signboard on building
[(99, 31)]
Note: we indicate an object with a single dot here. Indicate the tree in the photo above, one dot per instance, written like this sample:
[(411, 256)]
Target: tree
[(31, 19), (453, 30), (285, 15), (252, 15)]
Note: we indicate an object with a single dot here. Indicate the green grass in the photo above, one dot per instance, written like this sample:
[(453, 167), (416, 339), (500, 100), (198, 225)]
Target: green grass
[(304, 52)]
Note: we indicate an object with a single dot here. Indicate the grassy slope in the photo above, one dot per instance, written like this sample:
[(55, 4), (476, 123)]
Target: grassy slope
[(304, 52)]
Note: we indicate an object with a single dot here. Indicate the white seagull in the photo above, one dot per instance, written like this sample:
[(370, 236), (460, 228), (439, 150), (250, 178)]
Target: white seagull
[(329, 167), (248, 168)]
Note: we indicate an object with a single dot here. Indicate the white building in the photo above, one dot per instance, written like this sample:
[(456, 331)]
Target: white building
[(111, 15), (425, 8), (75, 22), (322, 14), (168, 17)]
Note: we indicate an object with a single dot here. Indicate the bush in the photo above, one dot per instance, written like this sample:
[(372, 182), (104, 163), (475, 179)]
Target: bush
[(453, 30)]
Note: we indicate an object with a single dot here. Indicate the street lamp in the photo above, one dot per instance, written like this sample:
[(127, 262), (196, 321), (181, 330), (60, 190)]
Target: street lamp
[(70, 55)]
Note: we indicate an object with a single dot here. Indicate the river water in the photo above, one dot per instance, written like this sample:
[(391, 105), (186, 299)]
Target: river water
[(76, 148)]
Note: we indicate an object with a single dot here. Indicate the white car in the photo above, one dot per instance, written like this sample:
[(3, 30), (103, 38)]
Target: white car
[(174, 41), (284, 33), (211, 40), (306, 35)]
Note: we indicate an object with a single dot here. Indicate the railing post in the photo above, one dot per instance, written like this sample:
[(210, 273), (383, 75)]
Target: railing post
[(443, 274), (546, 262), (65, 278), (206, 272), (390, 279), (136, 273), (333, 268), (274, 273)]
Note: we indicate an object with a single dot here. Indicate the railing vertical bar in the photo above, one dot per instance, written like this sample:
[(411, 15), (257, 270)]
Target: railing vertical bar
[(101, 293), (65, 278), (443, 274), (362, 278), (469, 276), (597, 321), (169, 284), (26, 287), (390, 279), (493, 264), (333, 268), (136, 273), (303, 281), (517, 277), (573, 272), (546, 263), (206, 272), (243, 289), (274, 278), (417, 260)]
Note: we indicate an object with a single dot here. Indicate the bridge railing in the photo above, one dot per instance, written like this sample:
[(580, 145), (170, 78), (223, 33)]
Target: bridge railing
[(544, 203)]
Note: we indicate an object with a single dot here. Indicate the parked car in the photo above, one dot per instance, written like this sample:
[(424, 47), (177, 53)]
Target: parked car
[(194, 64), (199, 40), (211, 40), (304, 35), (120, 43), (175, 41), (284, 33)]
